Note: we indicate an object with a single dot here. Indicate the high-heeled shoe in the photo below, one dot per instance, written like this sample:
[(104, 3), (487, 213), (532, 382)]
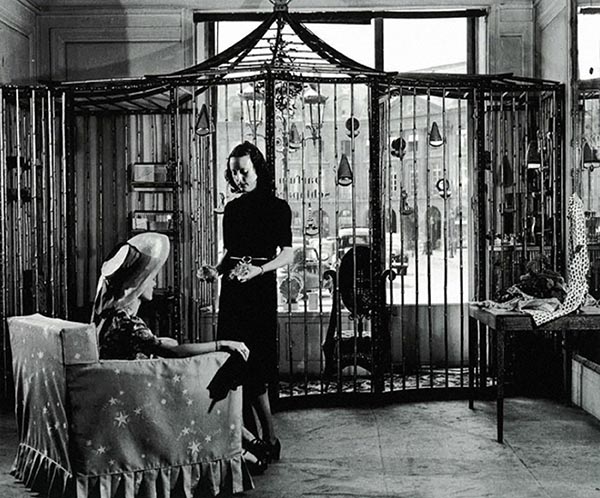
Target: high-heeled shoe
[(256, 466), (274, 451), (259, 448)]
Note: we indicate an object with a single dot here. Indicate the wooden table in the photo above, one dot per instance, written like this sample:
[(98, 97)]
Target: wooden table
[(499, 323)]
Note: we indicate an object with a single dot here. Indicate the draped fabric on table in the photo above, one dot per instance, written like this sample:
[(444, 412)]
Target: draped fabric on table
[(579, 265), (119, 428)]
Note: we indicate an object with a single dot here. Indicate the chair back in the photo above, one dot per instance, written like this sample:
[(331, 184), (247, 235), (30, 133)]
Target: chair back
[(41, 348)]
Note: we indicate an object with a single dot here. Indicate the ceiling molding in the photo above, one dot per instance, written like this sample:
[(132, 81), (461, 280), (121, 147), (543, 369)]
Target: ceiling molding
[(32, 5), (265, 5), (547, 10), (21, 17)]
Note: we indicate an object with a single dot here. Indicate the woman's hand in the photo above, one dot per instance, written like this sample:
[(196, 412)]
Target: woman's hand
[(207, 273), (238, 347), (250, 273)]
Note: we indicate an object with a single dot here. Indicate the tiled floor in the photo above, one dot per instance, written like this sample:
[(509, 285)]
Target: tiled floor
[(419, 450)]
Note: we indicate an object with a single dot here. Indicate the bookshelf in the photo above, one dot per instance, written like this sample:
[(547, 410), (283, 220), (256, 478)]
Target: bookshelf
[(154, 207)]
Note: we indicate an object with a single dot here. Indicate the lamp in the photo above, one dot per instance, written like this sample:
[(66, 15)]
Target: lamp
[(590, 161), (533, 158), (203, 123), (588, 154), (344, 172), (352, 127), (435, 138), (316, 109), (294, 138), (252, 106)]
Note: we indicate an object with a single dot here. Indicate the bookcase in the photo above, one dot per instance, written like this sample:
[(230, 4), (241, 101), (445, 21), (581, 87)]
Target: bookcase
[(154, 206)]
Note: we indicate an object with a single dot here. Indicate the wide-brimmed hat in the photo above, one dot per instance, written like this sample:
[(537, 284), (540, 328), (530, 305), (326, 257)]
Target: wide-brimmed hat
[(128, 268)]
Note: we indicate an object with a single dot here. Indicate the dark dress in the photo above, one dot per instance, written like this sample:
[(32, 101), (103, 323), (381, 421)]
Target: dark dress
[(255, 224)]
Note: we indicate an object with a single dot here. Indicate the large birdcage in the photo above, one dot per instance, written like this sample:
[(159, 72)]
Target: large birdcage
[(411, 195)]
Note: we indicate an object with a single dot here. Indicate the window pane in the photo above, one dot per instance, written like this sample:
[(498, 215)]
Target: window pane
[(425, 45), (229, 33), (355, 40), (588, 45)]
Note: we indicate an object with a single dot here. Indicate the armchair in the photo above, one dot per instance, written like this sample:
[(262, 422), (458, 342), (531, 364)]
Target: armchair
[(119, 428)]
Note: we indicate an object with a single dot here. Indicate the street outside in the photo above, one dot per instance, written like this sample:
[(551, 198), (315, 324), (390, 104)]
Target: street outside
[(430, 273)]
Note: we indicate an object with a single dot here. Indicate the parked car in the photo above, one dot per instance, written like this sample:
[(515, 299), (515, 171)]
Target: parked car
[(325, 247), (303, 275)]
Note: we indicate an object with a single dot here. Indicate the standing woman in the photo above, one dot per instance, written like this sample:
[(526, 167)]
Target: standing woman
[(257, 239)]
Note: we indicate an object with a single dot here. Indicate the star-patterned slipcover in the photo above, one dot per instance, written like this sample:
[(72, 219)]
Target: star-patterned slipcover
[(116, 428)]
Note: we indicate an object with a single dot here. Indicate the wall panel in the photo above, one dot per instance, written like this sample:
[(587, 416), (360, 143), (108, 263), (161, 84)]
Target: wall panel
[(552, 40), (115, 44), (18, 43), (510, 39)]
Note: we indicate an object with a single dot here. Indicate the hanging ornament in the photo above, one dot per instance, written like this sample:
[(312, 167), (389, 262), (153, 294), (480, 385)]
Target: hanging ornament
[(294, 139), (344, 172), (533, 155), (352, 127), (443, 188), (311, 229), (435, 138), (589, 158), (398, 147), (203, 127), (406, 209)]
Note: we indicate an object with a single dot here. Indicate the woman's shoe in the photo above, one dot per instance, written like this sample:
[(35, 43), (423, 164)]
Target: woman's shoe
[(259, 448), (255, 465), (274, 451)]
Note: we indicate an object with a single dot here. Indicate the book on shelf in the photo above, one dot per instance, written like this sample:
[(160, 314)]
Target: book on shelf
[(148, 200), (152, 220), (152, 172)]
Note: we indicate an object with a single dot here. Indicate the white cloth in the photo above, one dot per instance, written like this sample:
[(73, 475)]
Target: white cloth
[(579, 265)]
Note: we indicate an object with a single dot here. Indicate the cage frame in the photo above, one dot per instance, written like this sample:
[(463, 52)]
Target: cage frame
[(159, 94)]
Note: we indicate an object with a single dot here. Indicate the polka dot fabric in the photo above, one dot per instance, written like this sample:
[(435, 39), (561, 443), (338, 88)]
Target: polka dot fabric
[(579, 265)]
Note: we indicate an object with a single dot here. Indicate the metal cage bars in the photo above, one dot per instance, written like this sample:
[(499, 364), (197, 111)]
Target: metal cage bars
[(144, 137), (34, 208)]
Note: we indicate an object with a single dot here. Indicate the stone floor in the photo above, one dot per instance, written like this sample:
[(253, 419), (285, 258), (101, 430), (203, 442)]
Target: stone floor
[(418, 450)]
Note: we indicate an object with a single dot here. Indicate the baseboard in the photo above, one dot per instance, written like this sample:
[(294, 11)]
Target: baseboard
[(585, 385)]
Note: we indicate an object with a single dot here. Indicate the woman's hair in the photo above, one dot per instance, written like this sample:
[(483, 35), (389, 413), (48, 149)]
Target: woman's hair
[(264, 178)]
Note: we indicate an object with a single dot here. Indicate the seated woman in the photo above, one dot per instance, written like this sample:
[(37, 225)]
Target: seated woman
[(128, 276)]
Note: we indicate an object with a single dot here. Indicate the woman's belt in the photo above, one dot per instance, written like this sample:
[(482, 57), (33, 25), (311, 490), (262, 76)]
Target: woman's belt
[(248, 259)]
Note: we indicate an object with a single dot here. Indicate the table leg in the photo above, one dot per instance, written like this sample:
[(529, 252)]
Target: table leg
[(566, 354), (483, 356), (473, 326), (500, 384)]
